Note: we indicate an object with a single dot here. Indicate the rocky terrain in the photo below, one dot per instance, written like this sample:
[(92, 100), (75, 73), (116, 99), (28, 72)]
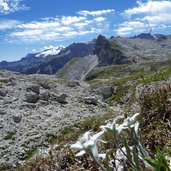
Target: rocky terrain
[(34, 108)]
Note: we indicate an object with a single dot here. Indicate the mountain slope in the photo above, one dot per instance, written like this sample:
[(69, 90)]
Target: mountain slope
[(78, 68)]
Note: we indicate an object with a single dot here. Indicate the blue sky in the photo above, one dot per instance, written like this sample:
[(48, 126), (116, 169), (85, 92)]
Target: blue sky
[(32, 25)]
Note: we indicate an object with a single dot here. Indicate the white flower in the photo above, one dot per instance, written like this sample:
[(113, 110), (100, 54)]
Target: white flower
[(130, 121), (87, 144), (113, 127)]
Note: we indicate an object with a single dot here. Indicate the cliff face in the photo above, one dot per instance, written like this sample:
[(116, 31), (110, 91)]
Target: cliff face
[(109, 53)]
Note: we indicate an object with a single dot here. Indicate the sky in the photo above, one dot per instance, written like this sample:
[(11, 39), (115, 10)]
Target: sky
[(29, 26)]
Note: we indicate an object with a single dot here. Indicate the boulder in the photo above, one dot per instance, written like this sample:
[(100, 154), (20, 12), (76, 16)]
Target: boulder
[(3, 93), (73, 84), (17, 118), (107, 92), (60, 98), (2, 112), (34, 88), (44, 96), (90, 100), (31, 97), (45, 85)]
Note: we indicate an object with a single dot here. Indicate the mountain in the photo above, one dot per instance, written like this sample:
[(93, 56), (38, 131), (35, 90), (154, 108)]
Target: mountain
[(49, 60), (30, 59), (109, 52), (54, 62), (113, 51), (50, 51), (19, 66), (158, 37)]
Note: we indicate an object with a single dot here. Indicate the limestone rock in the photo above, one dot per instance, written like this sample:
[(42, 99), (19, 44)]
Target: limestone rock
[(17, 118), (107, 92), (90, 100), (3, 93), (61, 98), (2, 112), (44, 96), (73, 84), (34, 88), (31, 97)]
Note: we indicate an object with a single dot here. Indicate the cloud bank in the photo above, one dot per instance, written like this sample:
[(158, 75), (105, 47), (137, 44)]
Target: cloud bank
[(150, 15), (60, 28), (10, 6)]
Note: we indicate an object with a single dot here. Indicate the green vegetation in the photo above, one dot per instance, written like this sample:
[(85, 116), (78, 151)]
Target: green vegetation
[(10, 136), (127, 77), (30, 152), (4, 80), (50, 137), (71, 133), (155, 108)]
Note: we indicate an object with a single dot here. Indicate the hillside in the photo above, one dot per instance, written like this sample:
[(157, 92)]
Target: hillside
[(38, 111)]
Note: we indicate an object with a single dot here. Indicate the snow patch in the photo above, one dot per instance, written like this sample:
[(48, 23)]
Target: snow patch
[(51, 50)]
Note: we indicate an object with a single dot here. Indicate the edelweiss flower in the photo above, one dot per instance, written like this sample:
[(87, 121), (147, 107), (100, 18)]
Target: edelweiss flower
[(87, 144), (113, 127), (130, 122)]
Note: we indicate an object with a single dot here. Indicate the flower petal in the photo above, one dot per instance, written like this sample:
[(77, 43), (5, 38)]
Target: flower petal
[(77, 146), (94, 151), (80, 153), (136, 127)]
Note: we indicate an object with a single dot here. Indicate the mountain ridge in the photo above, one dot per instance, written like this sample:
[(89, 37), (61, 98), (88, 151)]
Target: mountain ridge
[(112, 51)]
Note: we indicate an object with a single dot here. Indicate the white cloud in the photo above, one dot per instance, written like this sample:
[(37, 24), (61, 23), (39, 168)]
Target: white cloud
[(152, 7), (100, 19), (154, 12), (58, 28), (96, 13), (130, 27), (4, 5), (8, 24), (67, 20), (27, 33), (82, 25), (39, 25), (9, 6), (150, 15)]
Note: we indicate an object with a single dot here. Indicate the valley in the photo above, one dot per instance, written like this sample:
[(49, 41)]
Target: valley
[(47, 102)]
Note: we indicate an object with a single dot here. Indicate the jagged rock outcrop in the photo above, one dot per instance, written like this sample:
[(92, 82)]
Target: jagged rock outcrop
[(109, 53)]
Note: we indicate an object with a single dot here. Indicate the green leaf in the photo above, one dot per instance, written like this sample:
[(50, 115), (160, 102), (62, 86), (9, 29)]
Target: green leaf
[(107, 162), (135, 155)]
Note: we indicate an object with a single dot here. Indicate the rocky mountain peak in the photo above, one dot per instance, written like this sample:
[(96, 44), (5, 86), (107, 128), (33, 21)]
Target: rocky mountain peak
[(109, 52)]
